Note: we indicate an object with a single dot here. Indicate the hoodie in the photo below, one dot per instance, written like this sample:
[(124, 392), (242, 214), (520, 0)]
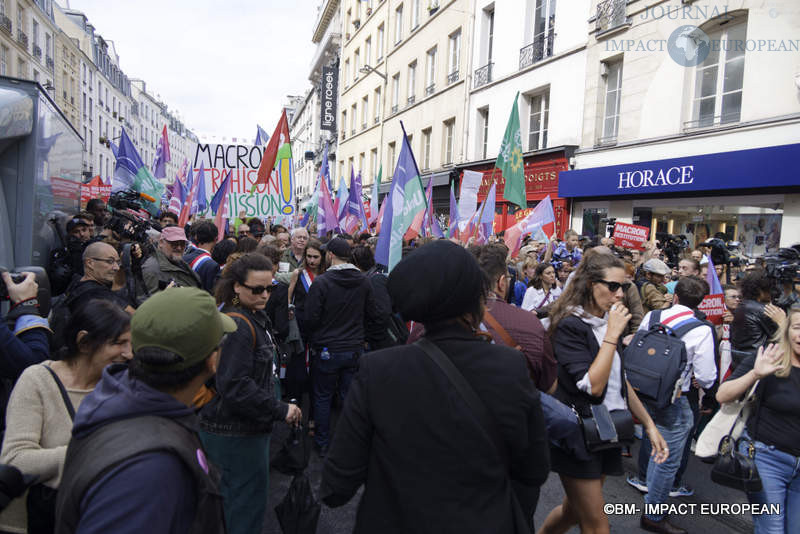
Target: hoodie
[(338, 304), (122, 500)]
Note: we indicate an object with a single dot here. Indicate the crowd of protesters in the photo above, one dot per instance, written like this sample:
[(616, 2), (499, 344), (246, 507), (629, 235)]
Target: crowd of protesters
[(148, 396)]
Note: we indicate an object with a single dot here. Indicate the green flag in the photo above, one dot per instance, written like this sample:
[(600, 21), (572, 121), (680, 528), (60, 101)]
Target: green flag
[(509, 160)]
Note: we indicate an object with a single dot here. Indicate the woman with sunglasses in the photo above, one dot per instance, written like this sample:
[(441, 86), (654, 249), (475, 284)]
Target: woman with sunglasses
[(586, 325), (236, 424)]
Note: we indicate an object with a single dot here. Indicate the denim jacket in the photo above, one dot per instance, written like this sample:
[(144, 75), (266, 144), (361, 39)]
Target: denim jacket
[(245, 402)]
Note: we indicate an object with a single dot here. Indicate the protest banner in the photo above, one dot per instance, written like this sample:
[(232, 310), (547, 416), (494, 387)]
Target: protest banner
[(468, 198), (94, 189), (713, 304), (630, 235), (275, 198)]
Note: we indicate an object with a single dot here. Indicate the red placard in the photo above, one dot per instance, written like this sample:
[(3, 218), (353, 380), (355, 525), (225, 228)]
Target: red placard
[(95, 189), (714, 308), (630, 235)]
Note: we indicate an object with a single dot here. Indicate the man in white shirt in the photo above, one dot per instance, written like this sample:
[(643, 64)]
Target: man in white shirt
[(676, 421)]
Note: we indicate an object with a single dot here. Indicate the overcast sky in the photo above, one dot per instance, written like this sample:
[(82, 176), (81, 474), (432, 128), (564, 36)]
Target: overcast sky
[(223, 65)]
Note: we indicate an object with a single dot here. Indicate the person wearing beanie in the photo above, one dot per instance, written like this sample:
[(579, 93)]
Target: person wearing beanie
[(406, 434), (135, 462)]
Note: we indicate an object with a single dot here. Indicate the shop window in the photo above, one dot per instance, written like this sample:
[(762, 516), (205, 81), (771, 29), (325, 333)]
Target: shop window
[(718, 81), (594, 222)]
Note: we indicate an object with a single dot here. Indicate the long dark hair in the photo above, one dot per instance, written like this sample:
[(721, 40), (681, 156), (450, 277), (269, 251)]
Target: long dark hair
[(315, 244), (536, 281), (579, 291), (103, 322), (237, 272)]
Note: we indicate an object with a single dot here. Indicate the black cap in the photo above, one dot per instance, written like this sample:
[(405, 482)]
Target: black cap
[(74, 222), (338, 247)]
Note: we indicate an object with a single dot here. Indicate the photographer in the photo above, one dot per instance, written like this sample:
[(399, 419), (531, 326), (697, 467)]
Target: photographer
[(23, 335), (756, 319)]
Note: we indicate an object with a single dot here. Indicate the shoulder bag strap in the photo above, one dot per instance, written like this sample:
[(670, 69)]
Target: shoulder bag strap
[(502, 332), (546, 296), (463, 387), (249, 324), (64, 395)]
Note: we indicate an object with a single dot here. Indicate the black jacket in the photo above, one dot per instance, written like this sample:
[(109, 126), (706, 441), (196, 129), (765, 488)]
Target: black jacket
[(426, 462), (378, 329), (336, 308), (575, 348), (245, 402), (207, 269), (751, 329)]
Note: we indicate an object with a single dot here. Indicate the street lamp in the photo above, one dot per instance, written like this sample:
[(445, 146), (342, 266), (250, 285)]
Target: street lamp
[(366, 69)]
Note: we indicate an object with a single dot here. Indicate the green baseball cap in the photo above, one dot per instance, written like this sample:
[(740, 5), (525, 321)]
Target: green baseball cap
[(182, 320)]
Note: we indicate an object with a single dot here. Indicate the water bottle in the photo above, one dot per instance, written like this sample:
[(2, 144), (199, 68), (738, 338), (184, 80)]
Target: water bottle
[(324, 355)]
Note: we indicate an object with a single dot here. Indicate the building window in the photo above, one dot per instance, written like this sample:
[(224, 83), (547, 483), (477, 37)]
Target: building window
[(361, 161), (613, 94), (377, 104), (368, 51), (353, 119), (344, 124), (455, 51), (412, 81), (379, 43), (48, 46), (22, 69), (414, 14), (398, 24), (426, 149), (3, 61), (390, 152), (364, 112), (373, 164), (395, 92), (449, 133), (719, 79), (430, 71), (347, 73), (483, 125), (537, 120), (356, 64)]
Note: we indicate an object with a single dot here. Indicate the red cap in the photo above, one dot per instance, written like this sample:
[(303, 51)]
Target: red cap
[(173, 233)]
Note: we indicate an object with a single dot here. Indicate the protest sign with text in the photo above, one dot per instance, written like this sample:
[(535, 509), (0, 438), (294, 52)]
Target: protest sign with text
[(630, 235), (273, 199)]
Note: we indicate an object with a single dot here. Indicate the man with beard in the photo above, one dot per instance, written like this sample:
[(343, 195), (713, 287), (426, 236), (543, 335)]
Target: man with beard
[(166, 265)]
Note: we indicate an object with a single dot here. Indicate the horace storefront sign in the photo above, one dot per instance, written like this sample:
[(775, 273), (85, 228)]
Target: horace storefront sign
[(743, 169)]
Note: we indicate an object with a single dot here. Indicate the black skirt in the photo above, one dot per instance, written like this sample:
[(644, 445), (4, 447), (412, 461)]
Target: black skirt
[(608, 462)]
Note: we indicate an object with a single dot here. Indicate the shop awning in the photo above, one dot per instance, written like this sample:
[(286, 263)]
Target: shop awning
[(743, 169)]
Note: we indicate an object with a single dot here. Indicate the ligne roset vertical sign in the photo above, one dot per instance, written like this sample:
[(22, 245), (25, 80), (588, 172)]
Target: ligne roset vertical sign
[(330, 84)]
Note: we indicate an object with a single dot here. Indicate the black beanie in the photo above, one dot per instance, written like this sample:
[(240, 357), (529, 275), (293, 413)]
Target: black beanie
[(438, 281)]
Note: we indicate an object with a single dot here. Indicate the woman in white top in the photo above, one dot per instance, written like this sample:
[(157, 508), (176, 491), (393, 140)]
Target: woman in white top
[(543, 290), (39, 420)]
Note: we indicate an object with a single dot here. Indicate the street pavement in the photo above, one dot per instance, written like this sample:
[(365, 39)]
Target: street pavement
[(616, 490)]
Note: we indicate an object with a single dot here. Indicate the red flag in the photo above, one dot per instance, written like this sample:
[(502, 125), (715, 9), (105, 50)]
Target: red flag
[(184, 216), (278, 139)]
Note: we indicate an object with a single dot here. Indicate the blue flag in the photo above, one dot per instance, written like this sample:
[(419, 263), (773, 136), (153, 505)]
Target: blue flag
[(130, 173), (199, 202), (261, 136), (341, 195), (406, 199), (216, 200)]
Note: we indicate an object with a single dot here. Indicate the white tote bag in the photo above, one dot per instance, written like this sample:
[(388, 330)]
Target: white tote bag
[(730, 415)]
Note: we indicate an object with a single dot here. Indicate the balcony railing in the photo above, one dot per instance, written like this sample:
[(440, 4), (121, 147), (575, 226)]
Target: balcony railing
[(610, 14), (483, 75), (377, 120), (37, 51), (5, 24), (394, 109), (51, 65), (22, 38), (430, 89), (411, 100), (541, 48), (713, 121), (452, 77), (363, 126)]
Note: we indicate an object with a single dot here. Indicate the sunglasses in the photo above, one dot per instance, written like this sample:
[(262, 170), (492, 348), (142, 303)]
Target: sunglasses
[(258, 290), (614, 286)]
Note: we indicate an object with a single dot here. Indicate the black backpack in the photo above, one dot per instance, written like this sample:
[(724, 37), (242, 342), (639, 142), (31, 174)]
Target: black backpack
[(655, 360)]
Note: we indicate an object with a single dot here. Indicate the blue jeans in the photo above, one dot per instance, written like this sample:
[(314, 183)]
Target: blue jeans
[(340, 367), (675, 422), (780, 476), (244, 464)]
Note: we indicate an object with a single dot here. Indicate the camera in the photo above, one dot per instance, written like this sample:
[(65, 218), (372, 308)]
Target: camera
[(128, 219), (673, 247)]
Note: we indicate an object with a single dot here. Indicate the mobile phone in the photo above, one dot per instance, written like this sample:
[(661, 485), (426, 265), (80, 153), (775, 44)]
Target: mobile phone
[(605, 425)]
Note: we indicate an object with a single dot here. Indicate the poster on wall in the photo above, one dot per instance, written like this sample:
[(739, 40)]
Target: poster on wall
[(759, 234), (275, 199)]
